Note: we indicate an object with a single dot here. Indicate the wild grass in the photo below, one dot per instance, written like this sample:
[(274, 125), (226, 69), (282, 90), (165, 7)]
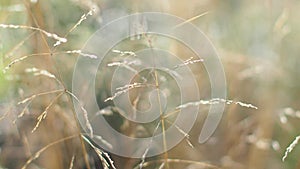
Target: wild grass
[(49, 35), (41, 72), (290, 148), (246, 133), (102, 155), (20, 59)]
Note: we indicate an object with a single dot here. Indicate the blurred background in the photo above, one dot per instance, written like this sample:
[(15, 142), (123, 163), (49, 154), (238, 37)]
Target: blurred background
[(257, 41)]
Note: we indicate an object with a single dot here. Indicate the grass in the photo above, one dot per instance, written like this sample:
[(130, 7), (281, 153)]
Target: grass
[(41, 128)]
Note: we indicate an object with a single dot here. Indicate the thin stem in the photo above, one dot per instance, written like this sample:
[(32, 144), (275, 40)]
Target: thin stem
[(38, 153), (171, 113), (160, 105), (39, 94), (85, 155)]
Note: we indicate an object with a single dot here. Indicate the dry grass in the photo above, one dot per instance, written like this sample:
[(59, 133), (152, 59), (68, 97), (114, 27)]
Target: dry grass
[(42, 129)]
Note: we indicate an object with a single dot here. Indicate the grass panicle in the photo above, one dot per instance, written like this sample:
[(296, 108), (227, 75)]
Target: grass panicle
[(49, 35), (85, 114), (188, 62), (124, 53), (125, 89), (42, 116), (101, 154), (215, 101), (291, 147)]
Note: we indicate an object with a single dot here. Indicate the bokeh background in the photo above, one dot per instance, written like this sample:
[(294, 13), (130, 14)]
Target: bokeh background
[(257, 41)]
